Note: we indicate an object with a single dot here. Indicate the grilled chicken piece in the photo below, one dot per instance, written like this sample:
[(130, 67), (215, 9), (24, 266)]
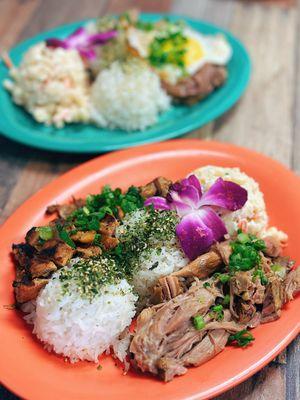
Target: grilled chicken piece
[(24, 293), (158, 187), (23, 253), (108, 225), (39, 268), (109, 242), (148, 190), (85, 237), (88, 252), (166, 289), (57, 251), (196, 87), (33, 238), (65, 210)]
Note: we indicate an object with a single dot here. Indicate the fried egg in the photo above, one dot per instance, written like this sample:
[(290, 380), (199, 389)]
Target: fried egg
[(203, 49), (200, 49)]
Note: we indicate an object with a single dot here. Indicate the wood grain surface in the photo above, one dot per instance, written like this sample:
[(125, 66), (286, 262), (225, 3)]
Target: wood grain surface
[(266, 119)]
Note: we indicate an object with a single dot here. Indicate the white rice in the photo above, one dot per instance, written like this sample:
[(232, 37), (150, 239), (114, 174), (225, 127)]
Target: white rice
[(163, 258), (52, 85), (78, 328), (253, 216), (128, 96)]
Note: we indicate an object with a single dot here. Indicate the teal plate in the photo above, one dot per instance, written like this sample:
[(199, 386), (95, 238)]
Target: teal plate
[(17, 124)]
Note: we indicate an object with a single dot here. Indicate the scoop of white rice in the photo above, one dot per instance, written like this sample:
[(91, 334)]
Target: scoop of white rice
[(253, 216), (52, 84), (128, 96), (78, 328), (160, 260)]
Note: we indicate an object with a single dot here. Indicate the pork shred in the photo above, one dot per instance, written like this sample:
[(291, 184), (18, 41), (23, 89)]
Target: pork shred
[(166, 342)]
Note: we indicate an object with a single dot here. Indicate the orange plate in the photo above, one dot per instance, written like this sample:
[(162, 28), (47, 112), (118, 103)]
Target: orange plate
[(33, 373)]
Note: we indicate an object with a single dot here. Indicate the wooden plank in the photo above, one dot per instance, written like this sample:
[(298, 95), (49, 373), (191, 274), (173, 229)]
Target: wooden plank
[(116, 6), (295, 161), (262, 119), (293, 370), (56, 12)]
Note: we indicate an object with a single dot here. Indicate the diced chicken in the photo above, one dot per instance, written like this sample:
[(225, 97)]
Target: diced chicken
[(39, 268), (88, 252), (57, 251), (148, 190), (158, 187), (108, 225), (24, 293), (109, 242), (84, 237), (33, 238), (22, 252)]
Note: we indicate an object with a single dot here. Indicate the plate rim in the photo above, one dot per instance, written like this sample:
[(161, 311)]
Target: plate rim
[(50, 144), (126, 155)]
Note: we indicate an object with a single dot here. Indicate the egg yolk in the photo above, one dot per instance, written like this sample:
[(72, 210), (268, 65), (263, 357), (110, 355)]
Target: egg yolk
[(194, 52)]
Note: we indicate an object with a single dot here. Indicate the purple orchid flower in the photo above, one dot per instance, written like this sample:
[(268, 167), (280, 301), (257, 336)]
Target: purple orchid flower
[(200, 225), (82, 41)]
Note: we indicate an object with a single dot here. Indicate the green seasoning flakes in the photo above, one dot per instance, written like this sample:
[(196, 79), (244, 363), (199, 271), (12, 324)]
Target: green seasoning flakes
[(242, 338), (143, 235), (109, 201), (89, 275), (245, 252), (198, 322)]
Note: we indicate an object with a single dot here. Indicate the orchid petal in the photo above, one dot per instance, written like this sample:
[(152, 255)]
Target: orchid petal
[(198, 231), (225, 194), (194, 236), (159, 203), (183, 202), (82, 41), (194, 181)]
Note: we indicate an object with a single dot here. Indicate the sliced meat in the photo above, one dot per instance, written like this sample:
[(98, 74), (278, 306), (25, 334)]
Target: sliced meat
[(166, 289), (24, 293), (198, 86), (292, 284), (273, 301), (165, 340)]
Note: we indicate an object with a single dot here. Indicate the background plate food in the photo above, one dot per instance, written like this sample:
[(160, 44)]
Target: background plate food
[(18, 125), (33, 373)]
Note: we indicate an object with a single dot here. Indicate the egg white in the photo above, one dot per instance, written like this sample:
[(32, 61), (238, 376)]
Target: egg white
[(203, 49)]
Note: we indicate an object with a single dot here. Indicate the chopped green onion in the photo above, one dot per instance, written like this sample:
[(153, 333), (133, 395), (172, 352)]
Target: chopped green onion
[(243, 237), (242, 338), (226, 300), (217, 312), (45, 232), (261, 275), (198, 322), (206, 285), (278, 270)]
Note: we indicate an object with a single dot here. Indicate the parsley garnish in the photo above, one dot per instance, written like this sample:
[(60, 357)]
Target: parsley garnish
[(64, 236), (242, 338)]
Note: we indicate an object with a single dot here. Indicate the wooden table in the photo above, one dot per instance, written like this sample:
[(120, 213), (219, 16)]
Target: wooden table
[(266, 119)]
